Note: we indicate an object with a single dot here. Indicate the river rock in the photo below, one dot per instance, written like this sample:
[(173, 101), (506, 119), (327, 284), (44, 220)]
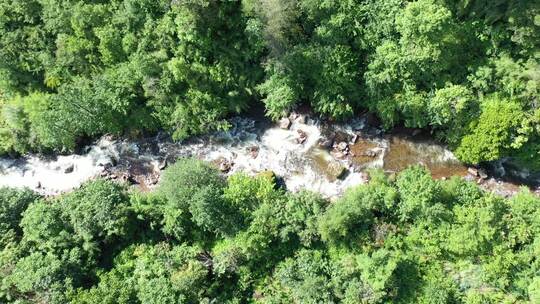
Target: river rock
[(370, 153), (69, 169), (342, 146), (301, 119), (343, 173), (302, 136), (285, 123), (472, 171), (114, 161), (152, 179), (340, 136), (163, 164), (373, 120), (105, 174), (293, 116), (354, 139), (253, 151), (224, 165), (482, 174), (336, 170), (130, 178), (121, 176), (269, 174), (325, 143), (106, 164), (338, 154)]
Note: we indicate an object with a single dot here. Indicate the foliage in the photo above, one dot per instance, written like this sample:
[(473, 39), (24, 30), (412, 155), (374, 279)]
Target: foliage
[(493, 133), (13, 203), (202, 238), (419, 195), (192, 192), (97, 211), (72, 70)]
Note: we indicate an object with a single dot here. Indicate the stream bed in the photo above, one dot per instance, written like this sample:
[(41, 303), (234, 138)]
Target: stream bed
[(303, 153)]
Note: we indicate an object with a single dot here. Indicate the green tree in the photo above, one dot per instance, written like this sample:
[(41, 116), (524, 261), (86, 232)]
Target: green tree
[(346, 218), (247, 193), (98, 211), (492, 134), (13, 203), (188, 186), (365, 278), (39, 278), (301, 216), (476, 227), (304, 279), (167, 274), (420, 195), (45, 227)]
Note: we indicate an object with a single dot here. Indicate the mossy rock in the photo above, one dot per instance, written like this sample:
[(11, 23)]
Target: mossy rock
[(269, 174)]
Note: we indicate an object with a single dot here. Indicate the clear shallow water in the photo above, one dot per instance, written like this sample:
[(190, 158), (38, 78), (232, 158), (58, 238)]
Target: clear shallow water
[(295, 155)]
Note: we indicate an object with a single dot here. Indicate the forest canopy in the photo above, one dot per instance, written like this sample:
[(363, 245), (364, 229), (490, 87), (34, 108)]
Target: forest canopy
[(466, 70), (203, 238)]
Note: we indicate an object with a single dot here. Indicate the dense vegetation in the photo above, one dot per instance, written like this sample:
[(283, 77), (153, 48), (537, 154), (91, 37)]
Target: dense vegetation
[(200, 238), (468, 69)]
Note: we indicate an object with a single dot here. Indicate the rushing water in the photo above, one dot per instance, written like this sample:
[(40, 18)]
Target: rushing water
[(306, 155)]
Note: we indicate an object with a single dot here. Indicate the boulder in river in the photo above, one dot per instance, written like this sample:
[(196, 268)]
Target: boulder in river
[(416, 132), (370, 153), (285, 123), (336, 170), (108, 164), (326, 143), (69, 169), (269, 174), (354, 139), (342, 146), (106, 174), (373, 120), (293, 116), (253, 151), (473, 171), (338, 154), (224, 165), (482, 174), (343, 173), (163, 164), (302, 137)]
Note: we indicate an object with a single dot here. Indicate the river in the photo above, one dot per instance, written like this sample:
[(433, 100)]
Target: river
[(304, 153)]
